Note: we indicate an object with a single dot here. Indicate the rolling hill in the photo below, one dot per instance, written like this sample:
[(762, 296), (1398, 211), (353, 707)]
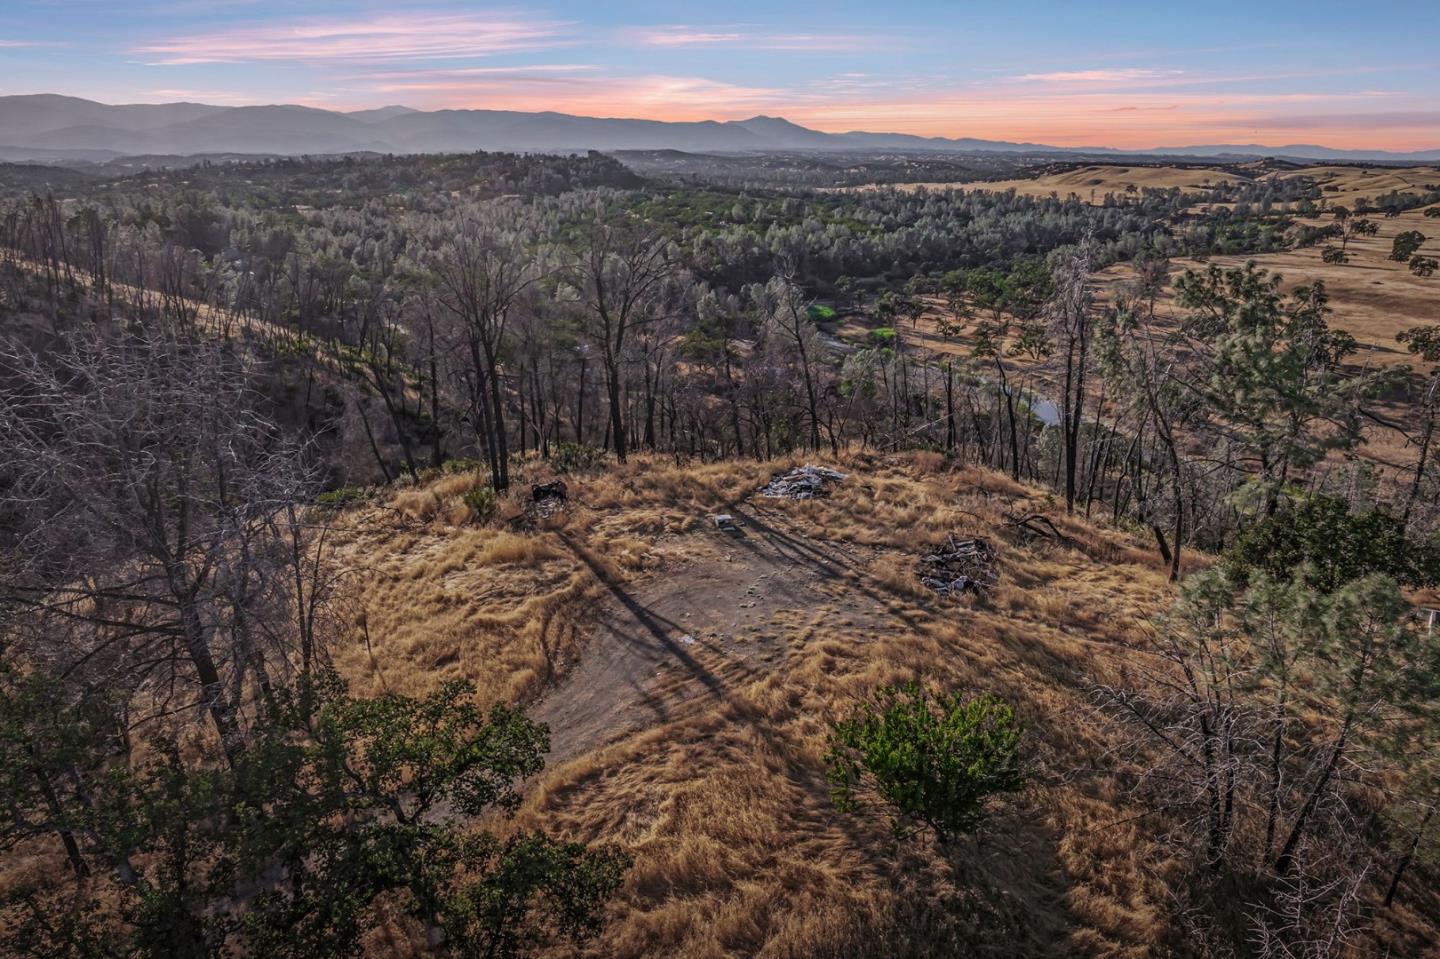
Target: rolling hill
[(48, 126)]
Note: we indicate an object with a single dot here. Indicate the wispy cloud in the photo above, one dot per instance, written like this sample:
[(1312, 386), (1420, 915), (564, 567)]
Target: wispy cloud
[(461, 73), (650, 96), (416, 37), (1098, 76), (687, 36)]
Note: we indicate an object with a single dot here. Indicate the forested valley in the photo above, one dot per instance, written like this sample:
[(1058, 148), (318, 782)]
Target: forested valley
[(210, 374)]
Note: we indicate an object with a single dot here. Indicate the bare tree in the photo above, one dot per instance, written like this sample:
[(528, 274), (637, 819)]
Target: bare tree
[(784, 314), (1071, 330), (140, 488), (482, 273), (618, 274)]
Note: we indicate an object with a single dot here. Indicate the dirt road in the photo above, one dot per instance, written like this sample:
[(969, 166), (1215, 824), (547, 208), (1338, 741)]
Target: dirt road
[(692, 632)]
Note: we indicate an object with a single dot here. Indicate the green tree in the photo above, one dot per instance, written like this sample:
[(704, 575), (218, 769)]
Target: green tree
[(1259, 701), (336, 805), (50, 744), (935, 760), (1423, 342), (1272, 371), (1333, 546), (1405, 245)]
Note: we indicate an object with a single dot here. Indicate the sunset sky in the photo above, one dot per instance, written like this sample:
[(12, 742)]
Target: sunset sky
[(1121, 74)]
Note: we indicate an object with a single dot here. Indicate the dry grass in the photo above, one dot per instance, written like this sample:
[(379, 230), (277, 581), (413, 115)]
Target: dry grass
[(1374, 297), (724, 805), (1091, 183), (723, 801), (1341, 184)]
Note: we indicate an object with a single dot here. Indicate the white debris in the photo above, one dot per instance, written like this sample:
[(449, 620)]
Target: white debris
[(802, 482), (960, 565)]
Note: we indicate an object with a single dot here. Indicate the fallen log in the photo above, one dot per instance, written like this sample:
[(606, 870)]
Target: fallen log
[(1034, 524)]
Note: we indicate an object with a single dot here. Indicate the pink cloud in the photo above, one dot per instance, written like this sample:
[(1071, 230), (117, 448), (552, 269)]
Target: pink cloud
[(654, 96), (416, 37), (683, 36), (1123, 119), (461, 73), (1098, 76), (1061, 113)]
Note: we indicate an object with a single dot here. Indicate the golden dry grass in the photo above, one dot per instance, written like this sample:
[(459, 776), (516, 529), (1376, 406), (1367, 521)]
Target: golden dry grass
[(1341, 183), (1373, 297), (1091, 183), (1347, 183), (724, 804), (722, 801)]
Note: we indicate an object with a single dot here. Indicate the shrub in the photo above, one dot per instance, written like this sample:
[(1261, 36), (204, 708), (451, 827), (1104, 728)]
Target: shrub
[(483, 502), (345, 496), (462, 465), (935, 760), (1424, 265), (1332, 545), (883, 337), (576, 458)]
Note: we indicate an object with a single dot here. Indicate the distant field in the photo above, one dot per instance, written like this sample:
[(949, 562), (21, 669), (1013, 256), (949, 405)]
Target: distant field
[(1373, 297), (1342, 184), (1099, 178), (1348, 183)]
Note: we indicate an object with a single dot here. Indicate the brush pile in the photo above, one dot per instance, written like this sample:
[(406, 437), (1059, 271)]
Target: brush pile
[(960, 566), (802, 482), (547, 499)]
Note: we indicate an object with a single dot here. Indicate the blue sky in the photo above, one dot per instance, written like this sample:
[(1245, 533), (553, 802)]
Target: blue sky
[(1129, 74)]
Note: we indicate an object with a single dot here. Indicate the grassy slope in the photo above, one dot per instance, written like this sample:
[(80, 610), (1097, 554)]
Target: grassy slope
[(723, 801)]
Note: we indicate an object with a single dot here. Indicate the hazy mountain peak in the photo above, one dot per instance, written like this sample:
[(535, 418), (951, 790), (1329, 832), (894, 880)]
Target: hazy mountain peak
[(34, 123)]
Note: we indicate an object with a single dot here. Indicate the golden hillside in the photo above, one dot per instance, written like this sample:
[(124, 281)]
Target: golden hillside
[(690, 675)]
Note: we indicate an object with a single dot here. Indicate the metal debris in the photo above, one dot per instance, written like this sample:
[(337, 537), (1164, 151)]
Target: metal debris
[(960, 566), (802, 482)]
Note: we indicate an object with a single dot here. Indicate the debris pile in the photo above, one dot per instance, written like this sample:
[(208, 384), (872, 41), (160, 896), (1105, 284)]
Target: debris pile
[(802, 482), (547, 499), (959, 566)]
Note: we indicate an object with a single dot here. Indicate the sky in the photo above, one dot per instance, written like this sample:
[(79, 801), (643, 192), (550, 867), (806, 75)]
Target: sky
[(1128, 73)]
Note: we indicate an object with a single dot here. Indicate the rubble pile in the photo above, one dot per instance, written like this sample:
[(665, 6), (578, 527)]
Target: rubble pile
[(802, 482), (547, 499), (959, 566)]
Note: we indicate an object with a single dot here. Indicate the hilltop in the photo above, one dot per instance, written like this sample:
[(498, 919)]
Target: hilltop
[(690, 674)]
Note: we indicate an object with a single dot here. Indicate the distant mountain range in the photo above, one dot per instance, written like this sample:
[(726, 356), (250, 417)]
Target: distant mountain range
[(52, 127)]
